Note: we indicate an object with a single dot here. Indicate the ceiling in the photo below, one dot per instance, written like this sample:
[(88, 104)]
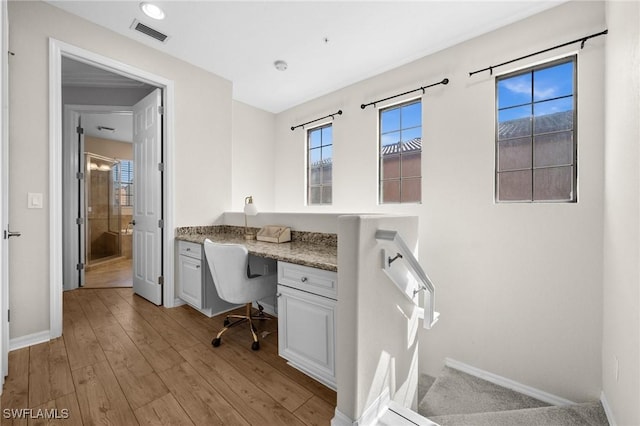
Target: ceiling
[(122, 123), (327, 44)]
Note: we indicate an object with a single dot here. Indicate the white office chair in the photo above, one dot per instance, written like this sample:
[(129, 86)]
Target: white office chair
[(229, 266)]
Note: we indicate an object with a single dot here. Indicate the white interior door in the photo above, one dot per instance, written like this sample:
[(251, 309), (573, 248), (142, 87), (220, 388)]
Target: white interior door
[(147, 198)]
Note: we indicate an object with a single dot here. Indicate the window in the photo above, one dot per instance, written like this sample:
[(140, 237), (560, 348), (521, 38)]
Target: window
[(124, 183), (401, 153), (319, 164), (536, 134)]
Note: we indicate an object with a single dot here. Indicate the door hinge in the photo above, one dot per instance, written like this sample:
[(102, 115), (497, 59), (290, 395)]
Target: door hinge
[(80, 221), (79, 175), (161, 110), (8, 315), (161, 167), (80, 130), (161, 223), (161, 280), (80, 266)]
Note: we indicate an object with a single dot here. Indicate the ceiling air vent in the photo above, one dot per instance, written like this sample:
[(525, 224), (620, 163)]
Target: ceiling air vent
[(140, 27)]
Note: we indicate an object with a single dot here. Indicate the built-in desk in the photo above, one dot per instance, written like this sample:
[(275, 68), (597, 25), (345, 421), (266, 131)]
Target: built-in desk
[(307, 291)]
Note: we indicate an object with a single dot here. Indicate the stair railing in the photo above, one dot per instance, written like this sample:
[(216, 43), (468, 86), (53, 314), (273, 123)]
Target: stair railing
[(404, 253)]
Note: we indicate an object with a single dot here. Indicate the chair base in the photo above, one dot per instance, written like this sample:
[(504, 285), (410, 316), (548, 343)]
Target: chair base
[(255, 345)]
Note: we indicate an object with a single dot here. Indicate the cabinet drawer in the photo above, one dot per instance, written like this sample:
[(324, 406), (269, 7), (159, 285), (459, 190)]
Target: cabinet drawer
[(312, 280), (187, 248)]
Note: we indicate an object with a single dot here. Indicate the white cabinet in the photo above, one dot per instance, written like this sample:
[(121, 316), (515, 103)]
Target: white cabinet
[(306, 320), (195, 284)]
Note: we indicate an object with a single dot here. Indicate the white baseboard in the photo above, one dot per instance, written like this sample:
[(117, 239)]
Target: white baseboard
[(29, 340), (607, 409), (178, 302), (369, 416), (507, 383)]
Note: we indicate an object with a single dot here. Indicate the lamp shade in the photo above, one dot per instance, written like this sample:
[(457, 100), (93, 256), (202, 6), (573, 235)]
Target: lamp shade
[(250, 209)]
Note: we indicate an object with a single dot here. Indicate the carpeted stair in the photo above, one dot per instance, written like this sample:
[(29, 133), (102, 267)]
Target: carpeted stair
[(458, 399)]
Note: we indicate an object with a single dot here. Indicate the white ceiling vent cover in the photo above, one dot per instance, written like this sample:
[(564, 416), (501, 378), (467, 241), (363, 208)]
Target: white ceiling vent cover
[(146, 30)]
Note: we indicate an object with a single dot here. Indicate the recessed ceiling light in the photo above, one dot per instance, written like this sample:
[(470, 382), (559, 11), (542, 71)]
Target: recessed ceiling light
[(151, 10), (280, 65)]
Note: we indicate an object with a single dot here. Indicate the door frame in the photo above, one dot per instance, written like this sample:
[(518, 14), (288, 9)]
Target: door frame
[(71, 247), (4, 200), (58, 49)]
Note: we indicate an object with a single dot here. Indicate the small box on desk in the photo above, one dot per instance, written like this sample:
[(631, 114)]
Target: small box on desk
[(274, 234)]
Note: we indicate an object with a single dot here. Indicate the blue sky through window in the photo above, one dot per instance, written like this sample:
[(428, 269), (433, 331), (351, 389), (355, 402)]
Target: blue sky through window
[(402, 123), (540, 86)]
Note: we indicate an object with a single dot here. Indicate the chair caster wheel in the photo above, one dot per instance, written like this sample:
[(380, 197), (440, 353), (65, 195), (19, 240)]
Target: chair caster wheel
[(226, 322), (216, 342), (255, 346)]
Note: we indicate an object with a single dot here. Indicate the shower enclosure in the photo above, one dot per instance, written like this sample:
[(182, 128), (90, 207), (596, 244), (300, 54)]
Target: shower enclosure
[(103, 211)]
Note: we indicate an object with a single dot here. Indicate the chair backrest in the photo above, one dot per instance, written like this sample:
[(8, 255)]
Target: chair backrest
[(228, 266)]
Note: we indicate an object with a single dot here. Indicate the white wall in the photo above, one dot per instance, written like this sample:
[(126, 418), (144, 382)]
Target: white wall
[(376, 325), (202, 142), (253, 157), (621, 291), (518, 285)]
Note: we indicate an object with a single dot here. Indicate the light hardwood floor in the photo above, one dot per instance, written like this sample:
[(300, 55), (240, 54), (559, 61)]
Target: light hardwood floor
[(113, 273), (124, 361)]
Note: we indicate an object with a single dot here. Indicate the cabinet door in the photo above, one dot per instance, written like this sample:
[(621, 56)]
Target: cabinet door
[(190, 274), (306, 332)]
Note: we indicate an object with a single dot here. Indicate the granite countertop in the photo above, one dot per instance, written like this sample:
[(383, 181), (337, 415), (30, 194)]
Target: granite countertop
[(316, 250)]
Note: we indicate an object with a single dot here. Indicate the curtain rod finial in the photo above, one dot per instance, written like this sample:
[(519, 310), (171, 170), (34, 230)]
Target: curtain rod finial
[(445, 81), (363, 106), (292, 128)]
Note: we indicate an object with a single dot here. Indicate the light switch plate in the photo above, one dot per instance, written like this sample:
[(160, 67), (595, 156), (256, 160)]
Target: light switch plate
[(34, 200)]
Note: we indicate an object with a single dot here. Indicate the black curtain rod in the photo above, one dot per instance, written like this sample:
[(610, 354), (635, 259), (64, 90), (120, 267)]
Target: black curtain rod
[(339, 112), (581, 40), (444, 81)]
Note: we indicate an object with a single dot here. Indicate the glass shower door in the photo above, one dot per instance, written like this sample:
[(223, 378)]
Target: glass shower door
[(102, 209)]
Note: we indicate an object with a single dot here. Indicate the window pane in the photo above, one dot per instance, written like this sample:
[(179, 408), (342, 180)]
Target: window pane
[(553, 184), (514, 154), (553, 149), (514, 122), (411, 164), (411, 134), (314, 195), (390, 167), (327, 135), (412, 115), (514, 91), (390, 120), (327, 172), (315, 138), (389, 139), (327, 153), (552, 116), (411, 191), (390, 191), (514, 186), (553, 82), (314, 175), (326, 194)]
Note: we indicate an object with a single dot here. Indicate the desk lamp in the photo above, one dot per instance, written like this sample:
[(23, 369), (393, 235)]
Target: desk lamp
[(250, 209)]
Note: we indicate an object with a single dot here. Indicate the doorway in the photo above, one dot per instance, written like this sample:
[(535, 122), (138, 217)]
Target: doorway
[(61, 229)]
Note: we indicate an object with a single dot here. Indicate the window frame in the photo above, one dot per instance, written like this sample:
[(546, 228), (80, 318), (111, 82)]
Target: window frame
[(321, 185), (572, 58), (400, 178)]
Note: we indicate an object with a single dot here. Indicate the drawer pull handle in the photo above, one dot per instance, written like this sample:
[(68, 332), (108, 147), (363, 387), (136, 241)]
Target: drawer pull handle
[(197, 266), (303, 279), (188, 248), (278, 294)]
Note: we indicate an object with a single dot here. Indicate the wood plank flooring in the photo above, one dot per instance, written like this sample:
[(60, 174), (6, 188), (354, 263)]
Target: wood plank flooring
[(124, 361), (112, 273)]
